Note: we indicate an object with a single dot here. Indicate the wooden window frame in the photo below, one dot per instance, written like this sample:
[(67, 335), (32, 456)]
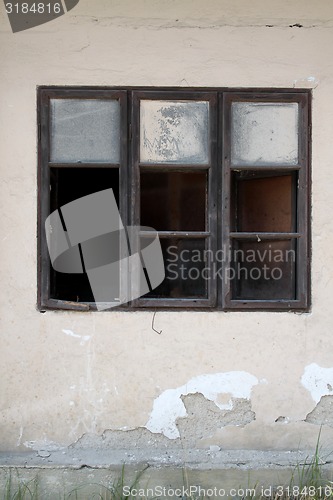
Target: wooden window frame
[(302, 232), (218, 230), (211, 213)]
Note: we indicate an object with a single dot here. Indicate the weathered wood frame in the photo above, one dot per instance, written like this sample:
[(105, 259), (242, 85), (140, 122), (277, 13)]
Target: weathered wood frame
[(218, 229)]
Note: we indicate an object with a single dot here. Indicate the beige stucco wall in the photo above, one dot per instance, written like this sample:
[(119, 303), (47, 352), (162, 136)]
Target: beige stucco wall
[(64, 374)]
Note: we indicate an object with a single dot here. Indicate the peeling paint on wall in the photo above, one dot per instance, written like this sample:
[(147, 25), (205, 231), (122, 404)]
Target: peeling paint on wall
[(168, 407), (318, 381)]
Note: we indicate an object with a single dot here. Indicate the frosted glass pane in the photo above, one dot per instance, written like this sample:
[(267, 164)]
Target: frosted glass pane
[(264, 133), (174, 132), (86, 130)]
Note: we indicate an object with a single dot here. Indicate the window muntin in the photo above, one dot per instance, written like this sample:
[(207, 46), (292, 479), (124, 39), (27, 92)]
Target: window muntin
[(234, 191)]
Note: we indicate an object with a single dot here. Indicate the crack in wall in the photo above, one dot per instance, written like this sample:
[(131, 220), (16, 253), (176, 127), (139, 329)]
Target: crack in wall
[(156, 23)]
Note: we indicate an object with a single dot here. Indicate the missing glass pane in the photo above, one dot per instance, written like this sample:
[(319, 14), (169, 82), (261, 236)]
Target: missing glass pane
[(174, 201), (264, 203), (69, 184)]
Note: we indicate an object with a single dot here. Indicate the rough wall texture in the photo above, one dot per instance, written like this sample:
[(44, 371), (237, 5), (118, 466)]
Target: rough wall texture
[(64, 374)]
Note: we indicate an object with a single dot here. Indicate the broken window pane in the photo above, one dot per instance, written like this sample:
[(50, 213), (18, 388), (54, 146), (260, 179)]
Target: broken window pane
[(263, 204), (174, 132), (85, 130), (174, 201), (264, 133)]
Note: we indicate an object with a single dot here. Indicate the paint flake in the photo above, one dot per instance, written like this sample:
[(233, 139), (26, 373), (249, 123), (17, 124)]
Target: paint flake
[(168, 407)]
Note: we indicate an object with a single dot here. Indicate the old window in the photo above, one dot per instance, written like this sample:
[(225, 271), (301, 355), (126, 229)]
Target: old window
[(221, 175)]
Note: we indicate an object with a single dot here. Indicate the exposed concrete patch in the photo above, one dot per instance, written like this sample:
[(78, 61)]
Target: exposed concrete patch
[(140, 438), (193, 411), (318, 381), (204, 417), (169, 407), (322, 414)]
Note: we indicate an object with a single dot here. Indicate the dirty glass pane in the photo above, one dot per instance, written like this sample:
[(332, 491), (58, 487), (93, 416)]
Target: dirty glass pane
[(263, 204), (264, 133), (86, 130), (174, 201), (263, 270), (184, 262), (174, 132)]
